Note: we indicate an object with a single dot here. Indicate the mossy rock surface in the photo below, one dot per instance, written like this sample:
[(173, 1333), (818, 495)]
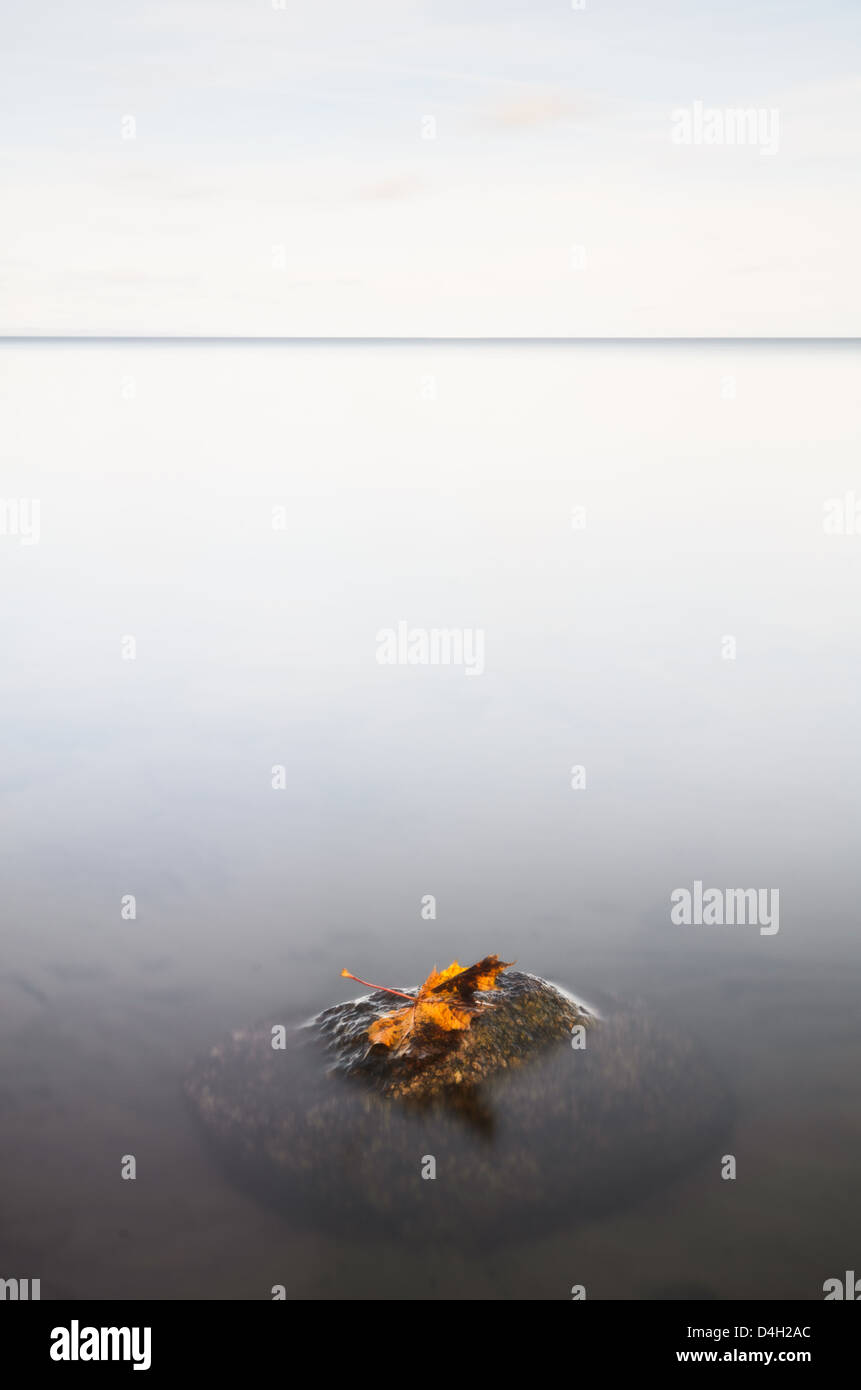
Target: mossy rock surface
[(526, 1130), (516, 1020)]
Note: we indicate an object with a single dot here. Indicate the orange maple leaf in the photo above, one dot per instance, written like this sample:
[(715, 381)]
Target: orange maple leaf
[(444, 1004)]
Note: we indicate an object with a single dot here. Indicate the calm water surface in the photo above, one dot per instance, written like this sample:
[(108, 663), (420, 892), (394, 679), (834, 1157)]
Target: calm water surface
[(253, 517)]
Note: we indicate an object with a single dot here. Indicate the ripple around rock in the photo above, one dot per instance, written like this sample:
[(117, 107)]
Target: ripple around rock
[(527, 1131)]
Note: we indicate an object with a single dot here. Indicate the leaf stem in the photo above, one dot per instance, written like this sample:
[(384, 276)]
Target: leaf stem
[(385, 988)]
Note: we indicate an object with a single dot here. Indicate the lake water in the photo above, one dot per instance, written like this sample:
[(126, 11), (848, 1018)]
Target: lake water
[(645, 536)]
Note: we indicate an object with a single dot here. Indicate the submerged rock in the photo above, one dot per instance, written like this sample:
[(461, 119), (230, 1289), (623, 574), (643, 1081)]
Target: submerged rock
[(525, 1130)]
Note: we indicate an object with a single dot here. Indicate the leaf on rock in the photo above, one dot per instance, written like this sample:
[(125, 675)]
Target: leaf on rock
[(443, 1007)]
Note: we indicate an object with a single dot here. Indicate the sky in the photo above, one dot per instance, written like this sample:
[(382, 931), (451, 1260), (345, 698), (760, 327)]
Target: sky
[(470, 169)]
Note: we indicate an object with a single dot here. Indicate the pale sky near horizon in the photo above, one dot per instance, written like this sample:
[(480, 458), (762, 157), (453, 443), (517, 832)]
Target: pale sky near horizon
[(278, 181)]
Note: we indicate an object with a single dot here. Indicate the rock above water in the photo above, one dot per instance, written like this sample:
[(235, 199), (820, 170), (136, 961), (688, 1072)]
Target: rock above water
[(515, 1021)]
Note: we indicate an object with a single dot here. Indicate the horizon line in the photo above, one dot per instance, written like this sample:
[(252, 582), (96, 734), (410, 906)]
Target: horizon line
[(395, 340)]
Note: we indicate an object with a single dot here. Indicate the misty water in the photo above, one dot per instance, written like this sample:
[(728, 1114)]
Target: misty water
[(253, 516)]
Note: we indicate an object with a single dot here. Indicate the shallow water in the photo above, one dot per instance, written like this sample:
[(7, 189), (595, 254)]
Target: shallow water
[(433, 485)]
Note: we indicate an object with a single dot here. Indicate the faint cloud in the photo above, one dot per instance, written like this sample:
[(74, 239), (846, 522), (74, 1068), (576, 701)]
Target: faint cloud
[(535, 108), (392, 189)]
